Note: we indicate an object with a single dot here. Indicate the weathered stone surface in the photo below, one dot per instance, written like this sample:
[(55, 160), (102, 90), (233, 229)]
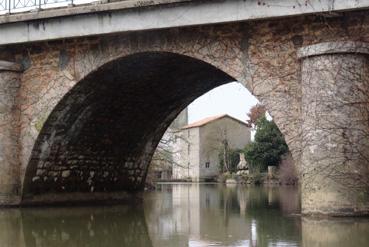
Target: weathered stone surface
[(65, 174), (10, 66), (343, 47), (9, 120), (335, 143)]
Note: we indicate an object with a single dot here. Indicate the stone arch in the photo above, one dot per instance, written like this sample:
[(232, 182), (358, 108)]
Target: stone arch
[(102, 133), (54, 69)]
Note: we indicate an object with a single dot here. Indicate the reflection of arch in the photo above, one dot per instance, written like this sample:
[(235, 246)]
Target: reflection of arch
[(101, 135), (92, 226)]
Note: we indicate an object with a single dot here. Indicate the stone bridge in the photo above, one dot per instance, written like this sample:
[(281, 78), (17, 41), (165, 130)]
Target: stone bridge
[(86, 92)]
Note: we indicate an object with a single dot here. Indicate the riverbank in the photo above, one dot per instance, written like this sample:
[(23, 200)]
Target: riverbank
[(249, 179)]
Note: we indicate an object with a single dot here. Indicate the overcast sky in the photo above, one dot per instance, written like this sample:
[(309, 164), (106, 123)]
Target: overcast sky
[(232, 98)]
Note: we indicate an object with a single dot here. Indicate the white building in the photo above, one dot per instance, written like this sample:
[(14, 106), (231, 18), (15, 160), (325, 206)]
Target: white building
[(162, 163), (200, 143)]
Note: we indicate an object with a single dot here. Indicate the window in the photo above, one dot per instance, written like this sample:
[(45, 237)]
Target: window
[(207, 164)]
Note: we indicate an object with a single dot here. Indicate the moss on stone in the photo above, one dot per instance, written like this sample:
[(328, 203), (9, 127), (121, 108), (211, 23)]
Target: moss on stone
[(40, 123)]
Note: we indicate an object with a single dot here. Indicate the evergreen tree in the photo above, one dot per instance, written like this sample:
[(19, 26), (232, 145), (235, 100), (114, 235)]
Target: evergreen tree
[(268, 146)]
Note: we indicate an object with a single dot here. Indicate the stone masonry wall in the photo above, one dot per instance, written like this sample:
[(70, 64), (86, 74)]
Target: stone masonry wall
[(260, 54), (9, 146), (335, 147)]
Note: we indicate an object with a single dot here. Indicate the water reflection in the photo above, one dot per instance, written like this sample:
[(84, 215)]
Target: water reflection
[(203, 215), (184, 215), (72, 227), (335, 232)]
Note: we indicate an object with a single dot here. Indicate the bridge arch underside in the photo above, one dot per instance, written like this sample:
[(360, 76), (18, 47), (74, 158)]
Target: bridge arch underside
[(98, 141)]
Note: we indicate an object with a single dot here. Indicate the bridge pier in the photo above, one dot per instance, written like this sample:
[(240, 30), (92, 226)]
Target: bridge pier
[(9, 150), (335, 128)]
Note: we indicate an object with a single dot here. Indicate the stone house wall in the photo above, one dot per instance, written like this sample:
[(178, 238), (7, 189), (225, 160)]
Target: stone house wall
[(238, 135), (202, 145)]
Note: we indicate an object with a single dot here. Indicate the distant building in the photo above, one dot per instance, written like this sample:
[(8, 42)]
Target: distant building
[(162, 163), (199, 145)]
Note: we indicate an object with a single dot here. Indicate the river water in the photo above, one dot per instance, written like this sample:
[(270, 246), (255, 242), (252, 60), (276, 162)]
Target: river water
[(184, 215)]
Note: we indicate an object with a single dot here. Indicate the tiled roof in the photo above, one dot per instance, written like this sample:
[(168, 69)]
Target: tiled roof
[(207, 120)]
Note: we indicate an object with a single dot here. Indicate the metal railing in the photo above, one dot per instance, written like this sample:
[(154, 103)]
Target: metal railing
[(13, 6)]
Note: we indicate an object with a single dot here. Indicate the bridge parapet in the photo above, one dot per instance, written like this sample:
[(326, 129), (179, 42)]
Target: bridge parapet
[(22, 6), (125, 16), (14, 6)]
